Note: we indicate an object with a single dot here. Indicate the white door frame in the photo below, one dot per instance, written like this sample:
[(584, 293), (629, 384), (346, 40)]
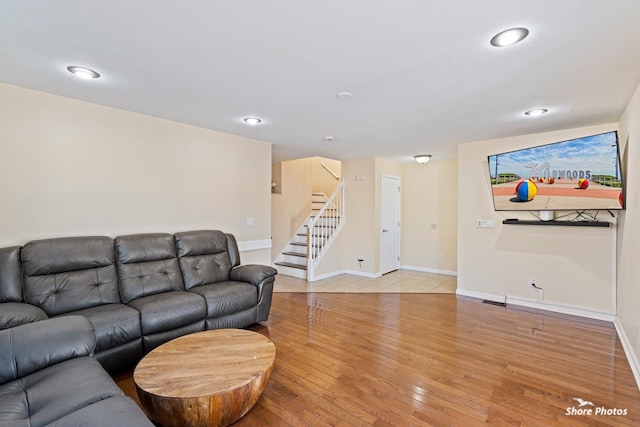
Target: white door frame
[(399, 234)]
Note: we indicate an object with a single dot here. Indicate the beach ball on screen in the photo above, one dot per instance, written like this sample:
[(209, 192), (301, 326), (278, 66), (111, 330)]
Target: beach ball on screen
[(550, 180), (540, 179), (526, 190), (583, 183)]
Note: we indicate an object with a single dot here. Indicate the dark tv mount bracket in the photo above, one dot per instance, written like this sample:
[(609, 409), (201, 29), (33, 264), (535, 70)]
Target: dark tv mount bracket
[(581, 219)]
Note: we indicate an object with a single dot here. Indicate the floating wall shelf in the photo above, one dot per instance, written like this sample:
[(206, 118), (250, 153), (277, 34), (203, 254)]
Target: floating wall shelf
[(553, 222)]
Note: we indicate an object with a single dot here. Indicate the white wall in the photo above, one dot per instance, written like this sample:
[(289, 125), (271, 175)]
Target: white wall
[(292, 206), (429, 215), (360, 228), (322, 181), (73, 168), (628, 321), (574, 265)]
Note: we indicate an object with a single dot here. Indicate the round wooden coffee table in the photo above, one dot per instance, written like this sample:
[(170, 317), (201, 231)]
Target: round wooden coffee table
[(209, 378)]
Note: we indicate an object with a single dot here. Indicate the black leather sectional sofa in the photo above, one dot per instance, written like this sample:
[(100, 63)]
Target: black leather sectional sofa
[(48, 378), (136, 291)]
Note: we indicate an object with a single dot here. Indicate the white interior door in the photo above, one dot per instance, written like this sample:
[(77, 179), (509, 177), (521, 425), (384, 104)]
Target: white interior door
[(390, 221)]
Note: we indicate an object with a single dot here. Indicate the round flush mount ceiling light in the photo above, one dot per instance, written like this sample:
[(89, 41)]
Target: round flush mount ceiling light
[(344, 95), (83, 72), (536, 112), (252, 120), (422, 158), (509, 37), (328, 138)]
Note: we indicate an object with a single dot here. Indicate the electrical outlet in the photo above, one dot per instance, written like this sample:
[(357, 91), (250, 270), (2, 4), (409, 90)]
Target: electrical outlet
[(533, 282), (478, 223), (360, 259)]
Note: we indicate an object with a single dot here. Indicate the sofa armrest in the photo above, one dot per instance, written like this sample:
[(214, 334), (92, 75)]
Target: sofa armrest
[(258, 275), (34, 346), (252, 273), (14, 314)]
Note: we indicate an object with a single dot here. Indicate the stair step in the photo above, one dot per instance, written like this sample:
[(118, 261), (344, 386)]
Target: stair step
[(322, 236), (291, 265), (298, 254), (303, 244)]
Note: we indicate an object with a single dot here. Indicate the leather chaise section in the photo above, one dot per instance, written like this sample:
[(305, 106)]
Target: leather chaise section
[(47, 377), (31, 347), (117, 411), (13, 314)]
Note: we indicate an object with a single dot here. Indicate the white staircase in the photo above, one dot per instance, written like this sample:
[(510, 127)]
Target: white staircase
[(311, 241)]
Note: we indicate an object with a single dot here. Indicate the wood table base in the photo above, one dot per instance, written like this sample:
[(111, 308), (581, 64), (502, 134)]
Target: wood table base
[(209, 378)]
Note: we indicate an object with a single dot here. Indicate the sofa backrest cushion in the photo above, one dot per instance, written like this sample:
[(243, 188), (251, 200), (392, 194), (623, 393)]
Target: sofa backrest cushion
[(205, 257), (147, 265), (69, 274), (34, 346), (10, 275)]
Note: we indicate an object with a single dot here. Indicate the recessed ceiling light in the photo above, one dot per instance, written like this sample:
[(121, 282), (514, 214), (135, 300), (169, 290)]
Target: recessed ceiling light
[(536, 112), (422, 158), (328, 138), (252, 120), (344, 95), (83, 72), (509, 37)]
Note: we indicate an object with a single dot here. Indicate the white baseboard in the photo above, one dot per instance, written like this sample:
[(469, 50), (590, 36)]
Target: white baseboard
[(252, 245), (363, 274), (561, 308), (481, 295), (327, 275), (628, 350), (430, 270)]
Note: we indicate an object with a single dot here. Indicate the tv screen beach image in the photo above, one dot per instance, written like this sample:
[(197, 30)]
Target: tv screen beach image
[(578, 174)]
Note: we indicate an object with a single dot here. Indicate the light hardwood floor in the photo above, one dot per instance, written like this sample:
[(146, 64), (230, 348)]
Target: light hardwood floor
[(432, 359)]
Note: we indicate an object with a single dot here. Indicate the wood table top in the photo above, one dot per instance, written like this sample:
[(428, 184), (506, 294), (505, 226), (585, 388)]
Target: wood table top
[(205, 363)]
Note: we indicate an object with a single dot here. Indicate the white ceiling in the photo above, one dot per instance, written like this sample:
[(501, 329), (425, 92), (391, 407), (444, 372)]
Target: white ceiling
[(422, 73)]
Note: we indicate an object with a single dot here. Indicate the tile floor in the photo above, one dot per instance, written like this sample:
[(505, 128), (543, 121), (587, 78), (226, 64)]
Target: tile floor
[(399, 281)]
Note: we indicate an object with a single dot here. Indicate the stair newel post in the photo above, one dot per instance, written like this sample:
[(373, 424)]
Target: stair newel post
[(309, 244)]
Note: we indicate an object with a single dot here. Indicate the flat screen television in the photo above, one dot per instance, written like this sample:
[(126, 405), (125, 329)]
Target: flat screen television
[(578, 174)]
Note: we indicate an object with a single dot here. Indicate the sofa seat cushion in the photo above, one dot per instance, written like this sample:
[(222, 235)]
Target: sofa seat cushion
[(114, 411), (227, 297), (115, 324), (54, 392), (169, 310), (16, 313)]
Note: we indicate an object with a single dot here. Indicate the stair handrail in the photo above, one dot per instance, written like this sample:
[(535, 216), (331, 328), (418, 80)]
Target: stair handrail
[(333, 174), (321, 229)]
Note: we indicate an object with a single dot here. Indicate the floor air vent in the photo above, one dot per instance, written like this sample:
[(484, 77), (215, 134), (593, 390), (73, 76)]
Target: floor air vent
[(500, 304)]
